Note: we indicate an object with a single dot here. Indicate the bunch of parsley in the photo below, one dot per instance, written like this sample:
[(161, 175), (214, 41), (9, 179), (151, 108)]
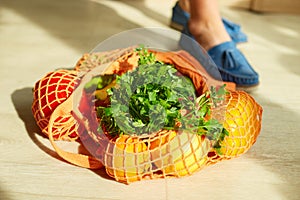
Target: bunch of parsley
[(156, 96)]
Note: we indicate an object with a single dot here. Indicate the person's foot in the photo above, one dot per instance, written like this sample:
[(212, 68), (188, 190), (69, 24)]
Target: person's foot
[(208, 33), (181, 16), (207, 28), (231, 63)]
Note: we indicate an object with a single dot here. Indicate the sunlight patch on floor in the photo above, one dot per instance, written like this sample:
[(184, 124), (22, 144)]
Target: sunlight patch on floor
[(129, 13)]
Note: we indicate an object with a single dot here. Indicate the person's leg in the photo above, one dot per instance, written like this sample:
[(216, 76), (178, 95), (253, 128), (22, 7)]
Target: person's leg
[(184, 5), (206, 27), (206, 24), (181, 16)]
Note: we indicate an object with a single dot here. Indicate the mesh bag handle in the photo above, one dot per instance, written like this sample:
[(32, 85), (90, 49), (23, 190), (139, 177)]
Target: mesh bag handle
[(81, 160)]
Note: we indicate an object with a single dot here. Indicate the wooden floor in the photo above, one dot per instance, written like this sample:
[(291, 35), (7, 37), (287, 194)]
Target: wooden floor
[(39, 36)]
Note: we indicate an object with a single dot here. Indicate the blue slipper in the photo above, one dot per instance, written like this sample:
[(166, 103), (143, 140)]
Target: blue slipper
[(233, 65), (180, 19), (226, 62)]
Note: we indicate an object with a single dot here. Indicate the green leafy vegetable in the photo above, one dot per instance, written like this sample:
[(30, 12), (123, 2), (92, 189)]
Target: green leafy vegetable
[(212, 128), (145, 56), (148, 102), (156, 96)]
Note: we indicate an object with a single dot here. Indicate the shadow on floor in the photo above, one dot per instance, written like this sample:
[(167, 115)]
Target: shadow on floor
[(140, 5), (22, 100), (4, 195), (277, 149), (80, 24)]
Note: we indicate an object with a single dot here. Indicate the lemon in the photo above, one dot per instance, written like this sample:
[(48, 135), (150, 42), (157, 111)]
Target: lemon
[(179, 153), (243, 122), (127, 160)]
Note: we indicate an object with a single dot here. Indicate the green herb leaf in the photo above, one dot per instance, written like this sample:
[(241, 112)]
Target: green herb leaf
[(156, 96)]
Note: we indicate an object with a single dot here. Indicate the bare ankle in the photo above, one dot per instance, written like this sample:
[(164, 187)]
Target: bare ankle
[(208, 33), (184, 5)]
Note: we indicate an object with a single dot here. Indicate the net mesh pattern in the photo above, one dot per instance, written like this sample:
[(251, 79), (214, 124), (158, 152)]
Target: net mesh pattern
[(50, 92), (243, 121), (163, 154), (166, 153), (91, 60)]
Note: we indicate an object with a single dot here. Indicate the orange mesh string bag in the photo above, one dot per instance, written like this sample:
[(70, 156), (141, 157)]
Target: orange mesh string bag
[(165, 153)]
